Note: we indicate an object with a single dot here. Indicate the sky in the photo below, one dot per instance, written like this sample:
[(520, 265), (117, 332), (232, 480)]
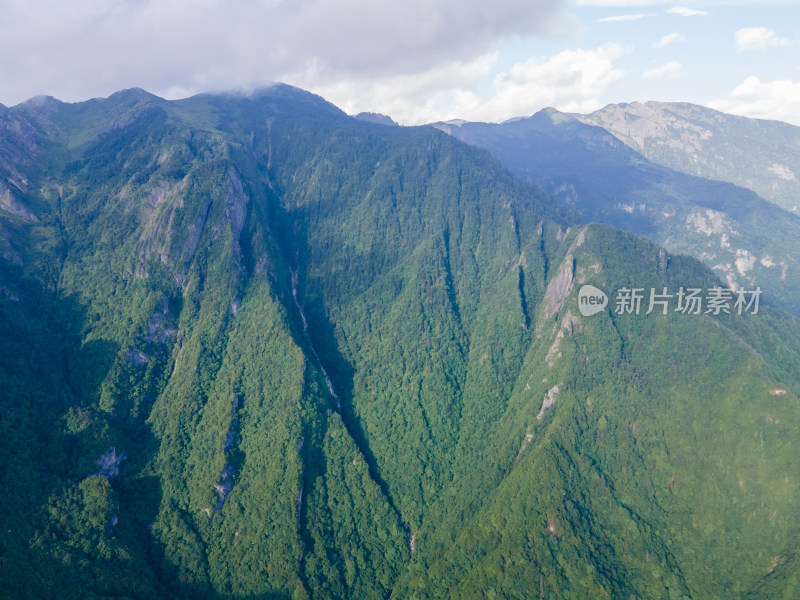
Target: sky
[(417, 61)]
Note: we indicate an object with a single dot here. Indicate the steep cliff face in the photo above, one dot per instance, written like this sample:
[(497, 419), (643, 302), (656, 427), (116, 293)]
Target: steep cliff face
[(255, 348)]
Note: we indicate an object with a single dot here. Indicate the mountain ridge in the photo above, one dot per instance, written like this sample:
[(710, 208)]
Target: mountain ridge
[(587, 167), (683, 136), (346, 360)]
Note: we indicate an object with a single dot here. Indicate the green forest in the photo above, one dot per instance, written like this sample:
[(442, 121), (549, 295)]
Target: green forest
[(254, 348)]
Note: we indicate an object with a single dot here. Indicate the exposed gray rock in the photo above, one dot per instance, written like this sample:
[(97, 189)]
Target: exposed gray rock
[(559, 288), (166, 332), (196, 230), (156, 319), (264, 263), (109, 462), (549, 400), (9, 294), (224, 487), (136, 357), (231, 437), (156, 330), (10, 204), (528, 440), (158, 213), (236, 203)]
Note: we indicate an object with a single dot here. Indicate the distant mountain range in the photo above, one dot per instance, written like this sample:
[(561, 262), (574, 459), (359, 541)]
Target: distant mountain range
[(638, 167), (252, 347), (763, 156)]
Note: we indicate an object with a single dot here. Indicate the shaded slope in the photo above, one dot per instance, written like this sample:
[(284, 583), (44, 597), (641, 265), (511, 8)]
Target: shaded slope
[(440, 298)]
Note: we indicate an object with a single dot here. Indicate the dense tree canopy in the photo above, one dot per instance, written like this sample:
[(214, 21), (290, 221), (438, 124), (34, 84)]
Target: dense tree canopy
[(251, 347)]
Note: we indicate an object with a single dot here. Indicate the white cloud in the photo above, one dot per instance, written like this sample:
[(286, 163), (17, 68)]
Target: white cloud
[(692, 12), (757, 38), (675, 10), (617, 3), (571, 80), (671, 70), (778, 99), (91, 47), (409, 99), (686, 12), (668, 39), (635, 17)]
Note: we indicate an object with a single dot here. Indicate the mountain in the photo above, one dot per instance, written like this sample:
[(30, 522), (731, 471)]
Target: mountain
[(763, 156), (729, 228), (375, 118), (252, 347)]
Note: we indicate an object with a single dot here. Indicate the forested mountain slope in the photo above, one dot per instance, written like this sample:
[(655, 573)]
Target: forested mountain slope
[(744, 239), (253, 348)]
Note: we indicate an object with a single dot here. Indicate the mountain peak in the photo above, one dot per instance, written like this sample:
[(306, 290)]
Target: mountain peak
[(378, 118), (42, 102), (283, 91), (555, 116), (137, 95)]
